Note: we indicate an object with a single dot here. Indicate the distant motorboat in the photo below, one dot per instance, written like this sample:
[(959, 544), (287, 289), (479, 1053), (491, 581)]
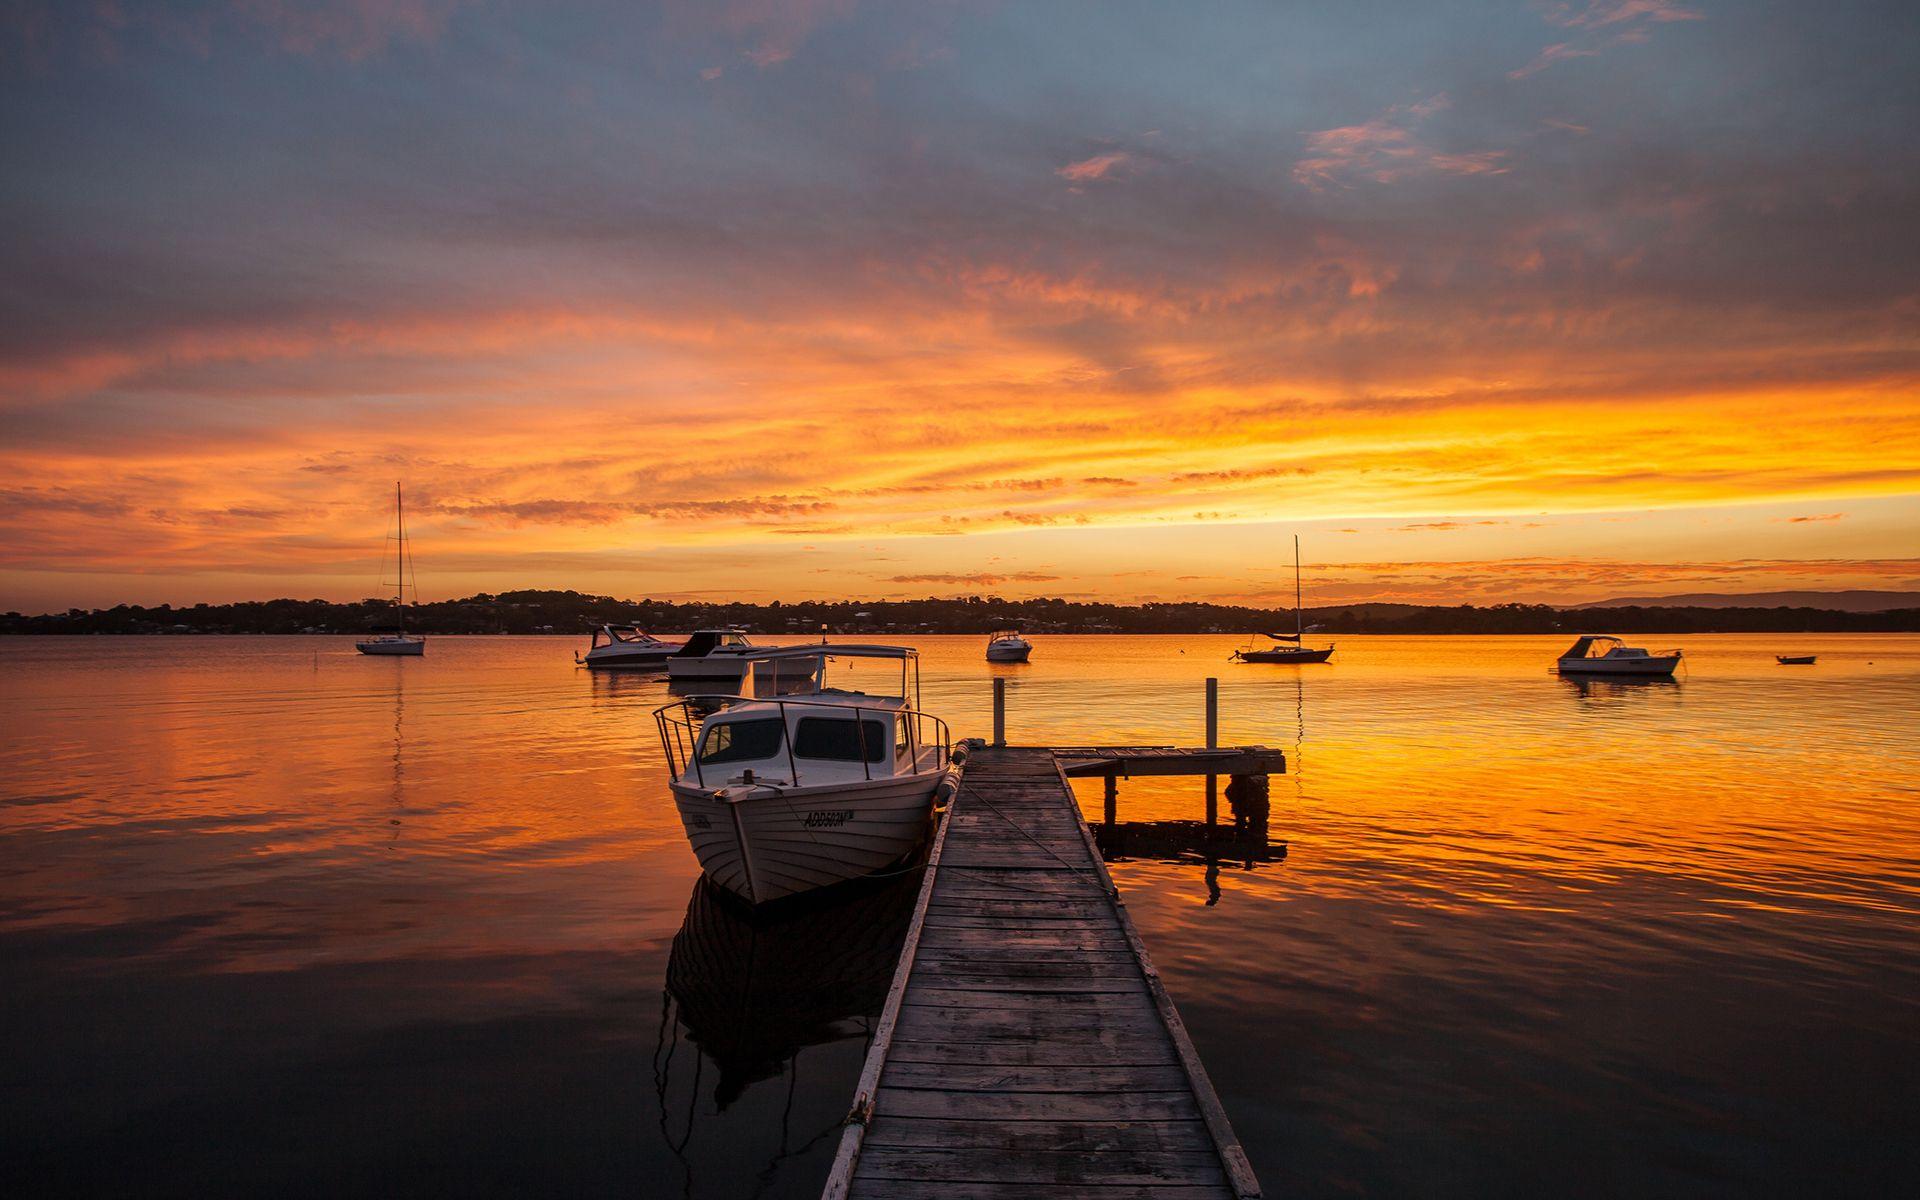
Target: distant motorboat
[(713, 655), (1298, 652), (394, 639), (1598, 654), (786, 795), (1007, 646), (1795, 660), (627, 646)]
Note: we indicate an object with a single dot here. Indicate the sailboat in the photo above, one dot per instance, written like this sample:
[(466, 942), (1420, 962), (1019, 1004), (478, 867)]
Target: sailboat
[(1298, 652), (395, 639)]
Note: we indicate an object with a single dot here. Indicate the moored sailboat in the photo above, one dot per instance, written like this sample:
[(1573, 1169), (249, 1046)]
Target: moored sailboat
[(1298, 652), (394, 639)]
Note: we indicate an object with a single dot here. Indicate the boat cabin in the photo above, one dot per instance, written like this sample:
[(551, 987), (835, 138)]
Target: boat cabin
[(823, 739), (1600, 646), (779, 733), (703, 642), (623, 635)]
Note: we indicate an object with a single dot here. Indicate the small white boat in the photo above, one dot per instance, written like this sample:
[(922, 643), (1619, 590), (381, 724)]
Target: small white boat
[(627, 646), (787, 794), (394, 639), (712, 655), (1596, 654), (1007, 646)]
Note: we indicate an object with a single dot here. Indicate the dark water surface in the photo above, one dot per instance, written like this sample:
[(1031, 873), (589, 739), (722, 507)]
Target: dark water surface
[(274, 916)]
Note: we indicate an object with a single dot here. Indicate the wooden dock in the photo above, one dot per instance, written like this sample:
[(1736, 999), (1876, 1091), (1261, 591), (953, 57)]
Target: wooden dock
[(1027, 1047)]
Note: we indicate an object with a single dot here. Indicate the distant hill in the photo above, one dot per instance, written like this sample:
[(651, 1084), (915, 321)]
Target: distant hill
[(1851, 601), (577, 613)]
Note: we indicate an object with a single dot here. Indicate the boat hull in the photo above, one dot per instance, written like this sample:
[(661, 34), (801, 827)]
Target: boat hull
[(765, 844), (1016, 655), (712, 666), (412, 648), (647, 660), (1285, 656), (1652, 666)]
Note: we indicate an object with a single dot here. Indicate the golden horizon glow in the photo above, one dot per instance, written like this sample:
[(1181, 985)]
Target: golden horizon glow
[(1114, 368)]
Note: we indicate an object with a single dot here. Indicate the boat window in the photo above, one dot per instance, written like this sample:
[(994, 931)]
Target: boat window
[(741, 741), (838, 740), (901, 746)]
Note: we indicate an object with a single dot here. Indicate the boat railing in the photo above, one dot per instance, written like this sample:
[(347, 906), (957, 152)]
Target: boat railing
[(679, 726)]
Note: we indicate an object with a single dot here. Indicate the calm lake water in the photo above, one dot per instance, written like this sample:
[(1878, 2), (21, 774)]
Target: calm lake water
[(277, 917)]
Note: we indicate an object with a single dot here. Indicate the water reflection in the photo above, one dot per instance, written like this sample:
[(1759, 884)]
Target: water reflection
[(1625, 688), (1654, 936), (755, 987), (1189, 843)]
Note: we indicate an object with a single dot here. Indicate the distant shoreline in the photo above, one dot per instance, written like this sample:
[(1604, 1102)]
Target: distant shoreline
[(577, 614)]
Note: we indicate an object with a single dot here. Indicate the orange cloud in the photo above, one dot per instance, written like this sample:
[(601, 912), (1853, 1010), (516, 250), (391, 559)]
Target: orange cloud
[(1100, 166), (1386, 150)]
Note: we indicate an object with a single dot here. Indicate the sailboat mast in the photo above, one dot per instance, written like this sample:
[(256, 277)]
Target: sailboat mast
[(399, 557), (1299, 624)]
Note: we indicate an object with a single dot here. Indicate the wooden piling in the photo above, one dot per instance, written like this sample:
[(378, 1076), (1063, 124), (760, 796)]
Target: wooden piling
[(999, 711), (1213, 742)]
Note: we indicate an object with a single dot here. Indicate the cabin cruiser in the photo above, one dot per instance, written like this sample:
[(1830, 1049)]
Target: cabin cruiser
[(1596, 654), (627, 646), (712, 655), (1007, 646), (785, 794)]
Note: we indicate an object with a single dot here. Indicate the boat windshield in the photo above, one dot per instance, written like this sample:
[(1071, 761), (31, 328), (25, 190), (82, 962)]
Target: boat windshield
[(840, 740), (742, 741)]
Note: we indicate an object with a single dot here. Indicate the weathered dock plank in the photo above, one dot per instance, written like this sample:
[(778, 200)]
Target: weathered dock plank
[(1028, 1047)]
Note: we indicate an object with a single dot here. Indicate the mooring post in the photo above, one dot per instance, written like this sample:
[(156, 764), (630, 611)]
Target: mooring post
[(1111, 813), (1213, 741), (999, 711)]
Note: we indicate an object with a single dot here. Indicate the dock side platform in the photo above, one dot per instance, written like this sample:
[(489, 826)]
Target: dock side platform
[(1028, 1047)]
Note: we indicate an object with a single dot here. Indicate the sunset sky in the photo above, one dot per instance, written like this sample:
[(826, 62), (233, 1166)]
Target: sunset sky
[(783, 299)]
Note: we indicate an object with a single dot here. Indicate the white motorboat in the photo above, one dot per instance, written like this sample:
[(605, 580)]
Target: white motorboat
[(394, 639), (1298, 651), (1597, 654), (627, 646), (712, 655), (1007, 646), (780, 795)]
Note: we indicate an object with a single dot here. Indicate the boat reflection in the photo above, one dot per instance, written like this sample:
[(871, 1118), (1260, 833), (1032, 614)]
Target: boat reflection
[(1622, 687), (755, 987)]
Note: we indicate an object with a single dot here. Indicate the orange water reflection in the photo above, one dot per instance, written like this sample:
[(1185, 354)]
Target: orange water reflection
[(1658, 933)]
